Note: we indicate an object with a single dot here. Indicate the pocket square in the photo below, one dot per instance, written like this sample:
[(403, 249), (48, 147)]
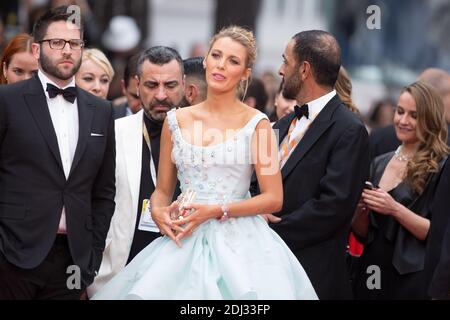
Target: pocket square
[(96, 134)]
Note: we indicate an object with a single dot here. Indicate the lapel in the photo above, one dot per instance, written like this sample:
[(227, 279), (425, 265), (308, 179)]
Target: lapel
[(36, 102), (131, 139), (322, 122), (85, 116)]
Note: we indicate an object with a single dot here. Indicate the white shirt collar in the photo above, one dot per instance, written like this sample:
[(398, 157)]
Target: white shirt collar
[(44, 80), (318, 104)]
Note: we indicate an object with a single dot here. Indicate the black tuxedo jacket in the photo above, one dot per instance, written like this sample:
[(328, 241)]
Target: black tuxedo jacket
[(382, 140), (437, 262), (322, 181), (120, 111), (34, 189)]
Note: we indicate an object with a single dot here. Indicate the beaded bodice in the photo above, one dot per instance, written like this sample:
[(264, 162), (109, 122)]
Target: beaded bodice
[(218, 173)]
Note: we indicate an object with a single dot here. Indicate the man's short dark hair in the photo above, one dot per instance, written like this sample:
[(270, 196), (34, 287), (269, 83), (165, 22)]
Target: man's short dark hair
[(62, 13), (322, 52), (159, 55), (131, 68), (194, 67)]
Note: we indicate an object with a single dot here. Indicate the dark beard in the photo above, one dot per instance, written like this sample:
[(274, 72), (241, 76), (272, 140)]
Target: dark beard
[(159, 116), (292, 87), (53, 70)]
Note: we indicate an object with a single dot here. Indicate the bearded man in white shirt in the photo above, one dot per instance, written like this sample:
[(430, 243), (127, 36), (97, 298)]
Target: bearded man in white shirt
[(57, 164)]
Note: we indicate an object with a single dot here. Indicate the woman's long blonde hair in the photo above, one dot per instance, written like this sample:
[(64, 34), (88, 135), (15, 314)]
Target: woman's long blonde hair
[(431, 131), (100, 59), (343, 88)]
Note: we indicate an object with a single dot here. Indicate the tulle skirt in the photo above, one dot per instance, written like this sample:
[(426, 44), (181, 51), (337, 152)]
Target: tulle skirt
[(242, 258)]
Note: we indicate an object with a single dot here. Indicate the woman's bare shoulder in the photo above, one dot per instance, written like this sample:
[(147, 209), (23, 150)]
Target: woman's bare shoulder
[(188, 114), (250, 112)]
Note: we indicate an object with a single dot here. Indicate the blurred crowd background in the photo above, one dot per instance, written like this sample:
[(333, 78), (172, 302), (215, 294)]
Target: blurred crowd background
[(411, 38)]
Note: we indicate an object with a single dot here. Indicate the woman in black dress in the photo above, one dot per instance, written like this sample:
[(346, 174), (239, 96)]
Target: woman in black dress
[(393, 218)]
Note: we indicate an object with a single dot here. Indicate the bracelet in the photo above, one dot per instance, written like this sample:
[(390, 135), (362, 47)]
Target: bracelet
[(225, 215)]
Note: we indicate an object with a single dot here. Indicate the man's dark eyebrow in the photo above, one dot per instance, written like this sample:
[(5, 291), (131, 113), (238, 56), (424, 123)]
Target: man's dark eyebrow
[(151, 83)]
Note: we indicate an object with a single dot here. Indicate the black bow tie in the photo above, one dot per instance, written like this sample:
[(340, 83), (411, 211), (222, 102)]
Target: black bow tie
[(69, 93), (301, 111)]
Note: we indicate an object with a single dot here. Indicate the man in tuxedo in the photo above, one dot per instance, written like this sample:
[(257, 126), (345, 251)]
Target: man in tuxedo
[(324, 163), (160, 87), (57, 152)]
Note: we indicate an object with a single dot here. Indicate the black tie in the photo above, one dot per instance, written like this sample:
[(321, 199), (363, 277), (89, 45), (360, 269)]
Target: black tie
[(301, 111), (69, 93)]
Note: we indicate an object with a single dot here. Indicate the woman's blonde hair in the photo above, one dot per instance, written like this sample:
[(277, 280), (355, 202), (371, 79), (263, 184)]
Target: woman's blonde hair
[(246, 38), (100, 59), (431, 131), (343, 88)]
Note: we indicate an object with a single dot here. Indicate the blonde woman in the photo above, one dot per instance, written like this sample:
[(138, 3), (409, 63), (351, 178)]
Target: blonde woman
[(394, 218), (95, 73), (222, 249)]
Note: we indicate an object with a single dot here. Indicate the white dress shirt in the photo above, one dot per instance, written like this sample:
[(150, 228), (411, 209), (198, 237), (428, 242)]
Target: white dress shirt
[(64, 117), (314, 108)]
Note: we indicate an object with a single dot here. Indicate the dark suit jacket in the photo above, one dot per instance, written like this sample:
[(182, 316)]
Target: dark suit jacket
[(34, 189), (120, 111), (437, 262), (382, 140), (322, 181)]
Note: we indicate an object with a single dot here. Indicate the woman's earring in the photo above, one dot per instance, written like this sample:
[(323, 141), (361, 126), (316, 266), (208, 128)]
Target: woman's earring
[(245, 87)]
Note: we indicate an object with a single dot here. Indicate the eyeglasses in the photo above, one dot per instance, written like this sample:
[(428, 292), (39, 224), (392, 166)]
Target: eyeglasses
[(59, 44)]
